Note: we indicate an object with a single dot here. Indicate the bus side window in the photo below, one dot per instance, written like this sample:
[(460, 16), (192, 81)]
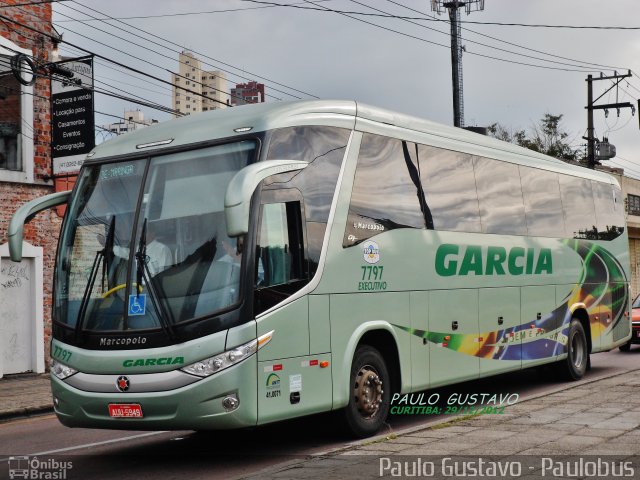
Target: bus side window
[(386, 192), (610, 223), (579, 207), (281, 268)]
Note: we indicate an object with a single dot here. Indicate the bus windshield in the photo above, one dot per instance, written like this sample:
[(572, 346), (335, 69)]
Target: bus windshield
[(144, 244)]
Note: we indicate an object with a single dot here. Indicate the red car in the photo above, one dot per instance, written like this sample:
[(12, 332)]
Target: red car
[(635, 325)]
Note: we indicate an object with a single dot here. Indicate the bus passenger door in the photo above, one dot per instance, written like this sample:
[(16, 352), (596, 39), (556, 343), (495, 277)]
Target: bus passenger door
[(499, 321), (453, 335), (290, 381)]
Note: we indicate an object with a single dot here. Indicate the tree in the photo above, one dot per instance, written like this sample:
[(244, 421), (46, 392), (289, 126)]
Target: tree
[(546, 137)]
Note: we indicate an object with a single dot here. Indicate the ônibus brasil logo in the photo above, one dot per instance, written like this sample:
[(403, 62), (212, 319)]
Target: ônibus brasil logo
[(35, 468)]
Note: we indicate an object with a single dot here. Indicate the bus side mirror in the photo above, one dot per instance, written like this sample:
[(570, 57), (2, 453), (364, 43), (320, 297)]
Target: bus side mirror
[(24, 215), (241, 187)]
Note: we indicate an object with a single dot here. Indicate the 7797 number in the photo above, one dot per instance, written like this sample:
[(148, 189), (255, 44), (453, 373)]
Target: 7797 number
[(370, 272)]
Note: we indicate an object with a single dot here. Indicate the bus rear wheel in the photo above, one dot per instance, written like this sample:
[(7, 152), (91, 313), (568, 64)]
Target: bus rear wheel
[(370, 393), (575, 365)]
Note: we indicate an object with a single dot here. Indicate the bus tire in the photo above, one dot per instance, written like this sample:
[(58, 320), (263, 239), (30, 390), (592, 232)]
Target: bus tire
[(625, 347), (575, 365), (370, 393)]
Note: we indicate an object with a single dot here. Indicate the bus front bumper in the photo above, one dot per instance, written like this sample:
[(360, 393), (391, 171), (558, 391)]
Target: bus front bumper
[(198, 406)]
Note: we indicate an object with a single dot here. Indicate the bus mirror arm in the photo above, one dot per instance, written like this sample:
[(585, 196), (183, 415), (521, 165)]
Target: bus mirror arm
[(237, 198), (24, 214)]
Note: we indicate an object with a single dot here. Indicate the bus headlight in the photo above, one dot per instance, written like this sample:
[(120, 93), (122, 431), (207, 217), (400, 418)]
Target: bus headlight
[(61, 370), (211, 365)]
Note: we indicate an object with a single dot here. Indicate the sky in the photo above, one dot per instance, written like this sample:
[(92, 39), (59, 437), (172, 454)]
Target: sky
[(512, 75)]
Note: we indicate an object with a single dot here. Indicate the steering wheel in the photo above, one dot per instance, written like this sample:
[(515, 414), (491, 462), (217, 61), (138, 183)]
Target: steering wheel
[(113, 290)]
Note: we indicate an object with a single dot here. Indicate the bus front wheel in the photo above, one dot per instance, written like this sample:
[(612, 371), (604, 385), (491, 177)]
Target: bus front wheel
[(370, 393), (575, 365)]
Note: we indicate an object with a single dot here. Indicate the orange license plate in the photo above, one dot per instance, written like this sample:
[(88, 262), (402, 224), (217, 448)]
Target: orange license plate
[(125, 410)]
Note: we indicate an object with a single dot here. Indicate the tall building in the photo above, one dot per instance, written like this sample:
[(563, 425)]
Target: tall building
[(211, 84), (132, 120), (250, 92)]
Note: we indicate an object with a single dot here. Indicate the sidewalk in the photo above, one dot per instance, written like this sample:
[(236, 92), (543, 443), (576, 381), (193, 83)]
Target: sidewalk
[(599, 418), (22, 395)]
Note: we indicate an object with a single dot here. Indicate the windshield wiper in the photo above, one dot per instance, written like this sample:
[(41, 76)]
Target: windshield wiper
[(106, 254), (143, 277), (107, 251)]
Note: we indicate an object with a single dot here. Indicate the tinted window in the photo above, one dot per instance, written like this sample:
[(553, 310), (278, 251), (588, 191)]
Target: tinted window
[(499, 197), (610, 222), (542, 203), (273, 241), (385, 195), (324, 149), (579, 210), (450, 189)]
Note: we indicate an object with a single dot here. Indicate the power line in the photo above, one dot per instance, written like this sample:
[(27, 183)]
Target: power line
[(402, 17), (139, 101), (572, 27), (618, 164), (472, 41), (141, 46), (448, 46), (100, 56), (142, 101), (33, 3), (120, 118), (180, 14), (205, 56), (130, 74), (144, 61), (145, 102), (585, 68), (505, 41)]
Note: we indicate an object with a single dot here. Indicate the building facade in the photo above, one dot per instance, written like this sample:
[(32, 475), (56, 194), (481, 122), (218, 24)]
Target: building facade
[(250, 92), (131, 121), (207, 89), (631, 195), (25, 173)]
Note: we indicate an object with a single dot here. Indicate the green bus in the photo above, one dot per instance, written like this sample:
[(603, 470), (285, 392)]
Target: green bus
[(254, 264)]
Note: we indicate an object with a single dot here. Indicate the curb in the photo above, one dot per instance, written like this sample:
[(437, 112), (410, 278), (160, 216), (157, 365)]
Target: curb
[(25, 412), (406, 431)]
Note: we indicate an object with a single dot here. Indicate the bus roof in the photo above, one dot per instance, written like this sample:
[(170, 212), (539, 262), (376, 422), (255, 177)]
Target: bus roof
[(232, 122)]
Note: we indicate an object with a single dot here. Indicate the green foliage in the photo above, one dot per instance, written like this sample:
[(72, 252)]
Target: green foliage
[(546, 137)]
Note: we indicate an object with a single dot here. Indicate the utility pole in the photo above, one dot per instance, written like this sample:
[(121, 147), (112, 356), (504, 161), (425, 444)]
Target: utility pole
[(590, 138), (453, 8)]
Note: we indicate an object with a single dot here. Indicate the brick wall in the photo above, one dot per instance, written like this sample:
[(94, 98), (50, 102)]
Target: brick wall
[(43, 230)]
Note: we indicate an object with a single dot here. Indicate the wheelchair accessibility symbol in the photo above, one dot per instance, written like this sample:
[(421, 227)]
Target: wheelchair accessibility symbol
[(137, 304)]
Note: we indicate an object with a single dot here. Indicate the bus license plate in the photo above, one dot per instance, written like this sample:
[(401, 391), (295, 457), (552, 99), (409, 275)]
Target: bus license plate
[(125, 410)]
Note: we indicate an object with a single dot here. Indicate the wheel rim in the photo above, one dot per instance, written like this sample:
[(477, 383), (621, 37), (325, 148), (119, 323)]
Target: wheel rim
[(578, 350), (367, 391)]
